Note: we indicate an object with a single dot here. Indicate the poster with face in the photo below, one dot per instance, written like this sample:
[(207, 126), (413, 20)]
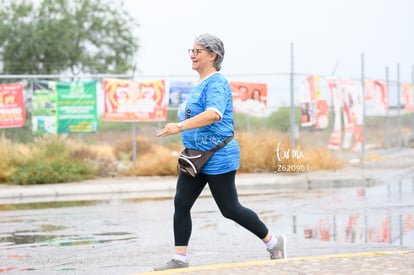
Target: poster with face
[(250, 98), (127, 100)]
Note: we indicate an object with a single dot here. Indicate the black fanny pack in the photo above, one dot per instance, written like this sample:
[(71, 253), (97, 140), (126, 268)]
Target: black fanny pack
[(191, 161)]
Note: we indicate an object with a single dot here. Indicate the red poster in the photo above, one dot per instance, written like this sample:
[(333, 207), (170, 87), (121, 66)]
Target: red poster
[(250, 98), (12, 107), (127, 100)]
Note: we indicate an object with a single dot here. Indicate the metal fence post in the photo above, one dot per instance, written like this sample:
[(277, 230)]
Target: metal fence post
[(292, 100), (399, 106), (363, 107), (387, 115)]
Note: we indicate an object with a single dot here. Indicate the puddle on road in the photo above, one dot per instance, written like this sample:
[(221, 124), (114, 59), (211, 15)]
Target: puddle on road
[(376, 214), (392, 228), (50, 234), (45, 235), (44, 205), (42, 238), (380, 213)]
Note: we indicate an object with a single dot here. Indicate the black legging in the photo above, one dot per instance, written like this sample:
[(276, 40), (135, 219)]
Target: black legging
[(223, 189)]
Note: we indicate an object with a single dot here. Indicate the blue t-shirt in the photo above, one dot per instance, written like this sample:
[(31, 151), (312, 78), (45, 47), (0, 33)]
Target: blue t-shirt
[(213, 93)]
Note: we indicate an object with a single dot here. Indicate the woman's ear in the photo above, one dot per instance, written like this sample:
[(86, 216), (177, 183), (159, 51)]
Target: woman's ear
[(213, 56)]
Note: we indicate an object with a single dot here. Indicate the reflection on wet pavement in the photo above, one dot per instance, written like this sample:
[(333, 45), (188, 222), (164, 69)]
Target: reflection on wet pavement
[(62, 226), (41, 238), (375, 214), (44, 205), (387, 216)]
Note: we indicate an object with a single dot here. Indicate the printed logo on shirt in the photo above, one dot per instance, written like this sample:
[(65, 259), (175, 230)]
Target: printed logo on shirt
[(207, 140), (187, 113)]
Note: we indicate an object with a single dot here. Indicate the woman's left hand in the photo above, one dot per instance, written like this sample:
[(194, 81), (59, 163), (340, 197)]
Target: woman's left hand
[(169, 129)]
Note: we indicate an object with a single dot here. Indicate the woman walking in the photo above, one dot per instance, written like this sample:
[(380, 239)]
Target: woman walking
[(208, 120)]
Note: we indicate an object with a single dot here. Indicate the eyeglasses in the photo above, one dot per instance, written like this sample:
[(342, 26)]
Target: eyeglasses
[(195, 52)]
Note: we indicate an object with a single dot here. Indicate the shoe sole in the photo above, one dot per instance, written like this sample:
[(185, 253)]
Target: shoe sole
[(284, 245)]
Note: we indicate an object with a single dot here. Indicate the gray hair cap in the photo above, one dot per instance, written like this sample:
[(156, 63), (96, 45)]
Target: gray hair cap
[(212, 44)]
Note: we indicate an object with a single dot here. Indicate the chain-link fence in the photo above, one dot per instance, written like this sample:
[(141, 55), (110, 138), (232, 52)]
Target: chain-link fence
[(393, 129)]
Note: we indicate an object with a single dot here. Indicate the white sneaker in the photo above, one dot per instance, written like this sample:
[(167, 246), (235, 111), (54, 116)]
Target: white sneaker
[(279, 250)]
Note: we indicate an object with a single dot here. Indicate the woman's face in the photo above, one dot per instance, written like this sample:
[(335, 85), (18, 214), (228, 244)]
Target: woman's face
[(201, 59), (256, 95)]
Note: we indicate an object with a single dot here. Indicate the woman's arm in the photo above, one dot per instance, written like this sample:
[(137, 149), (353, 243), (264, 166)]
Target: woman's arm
[(203, 119)]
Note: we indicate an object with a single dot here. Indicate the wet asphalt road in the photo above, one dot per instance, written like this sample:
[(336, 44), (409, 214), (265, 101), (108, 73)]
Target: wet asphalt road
[(132, 236)]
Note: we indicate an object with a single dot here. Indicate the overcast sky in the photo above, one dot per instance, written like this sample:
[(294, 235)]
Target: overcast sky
[(257, 35)]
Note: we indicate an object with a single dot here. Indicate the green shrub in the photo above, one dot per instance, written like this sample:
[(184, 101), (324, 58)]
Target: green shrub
[(18, 135), (54, 170), (49, 162)]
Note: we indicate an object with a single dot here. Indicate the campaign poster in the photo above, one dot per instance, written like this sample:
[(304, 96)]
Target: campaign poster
[(336, 135), (408, 97), (77, 110), (314, 86), (129, 100), (308, 104), (376, 98), (179, 92), (12, 107), (313, 112), (250, 98), (352, 110), (44, 116), (322, 113)]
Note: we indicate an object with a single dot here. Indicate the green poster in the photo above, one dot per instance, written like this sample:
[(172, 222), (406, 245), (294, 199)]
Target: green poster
[(77, 107), (44, 107)]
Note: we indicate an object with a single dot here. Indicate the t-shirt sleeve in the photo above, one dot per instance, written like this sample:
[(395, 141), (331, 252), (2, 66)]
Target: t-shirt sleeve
[(216, 99)]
